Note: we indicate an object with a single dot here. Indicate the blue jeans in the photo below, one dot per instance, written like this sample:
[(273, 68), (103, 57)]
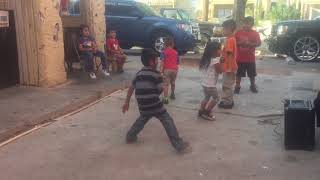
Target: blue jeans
[(88, 60), (166, 121)]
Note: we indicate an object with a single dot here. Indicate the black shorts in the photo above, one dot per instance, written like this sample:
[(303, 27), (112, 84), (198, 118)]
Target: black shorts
[(247, 69)]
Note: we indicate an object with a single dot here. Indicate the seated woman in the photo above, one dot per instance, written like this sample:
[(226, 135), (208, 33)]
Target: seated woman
[(114, 51)]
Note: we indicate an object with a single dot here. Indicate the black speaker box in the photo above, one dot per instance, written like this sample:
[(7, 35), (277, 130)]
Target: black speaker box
[(299, 125)]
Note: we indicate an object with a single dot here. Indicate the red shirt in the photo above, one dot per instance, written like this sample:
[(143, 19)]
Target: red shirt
[(170, 59), (247, 54), (112, 44)]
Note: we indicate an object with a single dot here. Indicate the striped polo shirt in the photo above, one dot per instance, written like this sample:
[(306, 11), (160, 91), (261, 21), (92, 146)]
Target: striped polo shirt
[(148, 87)]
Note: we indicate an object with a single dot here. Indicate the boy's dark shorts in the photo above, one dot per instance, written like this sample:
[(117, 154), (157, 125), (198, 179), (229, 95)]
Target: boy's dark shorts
[(247, 69)]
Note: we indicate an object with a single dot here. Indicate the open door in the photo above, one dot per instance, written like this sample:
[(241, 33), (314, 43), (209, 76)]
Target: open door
[(9, 68)]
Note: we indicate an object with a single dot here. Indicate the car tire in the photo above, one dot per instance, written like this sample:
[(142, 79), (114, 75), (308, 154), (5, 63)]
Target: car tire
[(306, 49), (158, 40)]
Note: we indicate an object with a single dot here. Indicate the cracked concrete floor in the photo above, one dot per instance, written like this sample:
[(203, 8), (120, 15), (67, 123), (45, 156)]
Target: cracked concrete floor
[(239, 145)]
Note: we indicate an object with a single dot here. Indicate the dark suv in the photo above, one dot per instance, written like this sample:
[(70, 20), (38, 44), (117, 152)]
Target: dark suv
[(298, 39), (139, 25)]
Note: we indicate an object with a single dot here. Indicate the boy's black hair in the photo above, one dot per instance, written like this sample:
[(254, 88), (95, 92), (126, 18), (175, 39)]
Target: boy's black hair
[(211, 47), (147, 55), (83, 26), (230, 24), (249, 19), (110, 31)]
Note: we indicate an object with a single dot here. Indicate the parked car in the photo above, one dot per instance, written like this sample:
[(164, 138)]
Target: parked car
[(200, 29), (299, 39), (137, 24)]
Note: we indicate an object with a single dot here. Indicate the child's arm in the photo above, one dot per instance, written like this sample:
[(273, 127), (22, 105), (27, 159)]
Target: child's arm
[(81, 48), (255, 43), (126, 105)]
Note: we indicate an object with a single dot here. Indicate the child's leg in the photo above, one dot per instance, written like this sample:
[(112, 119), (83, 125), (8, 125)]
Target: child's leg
[(206, 99), (137, 127), (227, 88), (104, 62), (88, 61), (173, 82), (171, 131), (166, 83), (238, 82), (214, 99)]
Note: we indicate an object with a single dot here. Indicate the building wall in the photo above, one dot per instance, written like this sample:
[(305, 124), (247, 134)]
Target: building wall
[(40, 42)]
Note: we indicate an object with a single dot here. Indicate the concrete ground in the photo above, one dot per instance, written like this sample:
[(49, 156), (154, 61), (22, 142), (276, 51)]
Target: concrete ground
[(244, 143), (22, 108)]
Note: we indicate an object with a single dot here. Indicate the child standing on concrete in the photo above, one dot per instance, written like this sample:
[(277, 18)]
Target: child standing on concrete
[(169, 68), (247, 41), (147, 85), (210, 65), (229, 64)]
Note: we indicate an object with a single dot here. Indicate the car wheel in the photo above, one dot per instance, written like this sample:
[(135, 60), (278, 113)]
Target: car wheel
[(306, 49), (158, 41)]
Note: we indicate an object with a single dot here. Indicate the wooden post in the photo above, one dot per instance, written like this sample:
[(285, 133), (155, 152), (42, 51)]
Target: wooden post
[(40, 42), (92, 12), (239, 11), (205, 10)]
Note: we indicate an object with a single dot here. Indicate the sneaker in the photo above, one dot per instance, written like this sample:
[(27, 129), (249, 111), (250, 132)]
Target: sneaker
[(224, 105), (207, 116), (186, 148), (200, 112), (105, 73), (254, 89), (130, 140), (165, 100), (237, 90), (172, 96), (93, 75)]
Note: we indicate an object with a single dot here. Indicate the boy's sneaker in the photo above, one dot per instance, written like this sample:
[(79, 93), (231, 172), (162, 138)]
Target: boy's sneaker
[(254, 89), (224, 105), (93, 75), (237, 90), (207, 116), (130, 140), (186, 148), (165, 100), (172, 96), (105, 73)]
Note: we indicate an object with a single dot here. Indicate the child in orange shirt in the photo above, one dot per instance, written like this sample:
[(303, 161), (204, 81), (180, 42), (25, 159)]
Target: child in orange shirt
[(229, 64)]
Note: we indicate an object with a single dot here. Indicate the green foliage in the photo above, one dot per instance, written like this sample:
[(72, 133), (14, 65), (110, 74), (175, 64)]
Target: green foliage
[(282, 12)]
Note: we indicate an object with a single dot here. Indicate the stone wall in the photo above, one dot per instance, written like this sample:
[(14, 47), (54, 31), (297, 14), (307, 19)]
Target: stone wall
[(50, 46)]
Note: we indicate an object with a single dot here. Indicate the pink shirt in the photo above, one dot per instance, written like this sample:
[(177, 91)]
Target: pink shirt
[(170, 59)]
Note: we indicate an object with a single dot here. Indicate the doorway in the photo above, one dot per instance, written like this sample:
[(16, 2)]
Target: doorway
[(9, 68)]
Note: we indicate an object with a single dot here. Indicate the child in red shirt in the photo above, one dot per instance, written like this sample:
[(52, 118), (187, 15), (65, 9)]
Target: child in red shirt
[(247, 41), (114, 50), (169, 68)]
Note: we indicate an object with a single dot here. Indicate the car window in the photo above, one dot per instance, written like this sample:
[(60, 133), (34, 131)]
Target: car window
[(122, 9), (171, 14), (147, 10)]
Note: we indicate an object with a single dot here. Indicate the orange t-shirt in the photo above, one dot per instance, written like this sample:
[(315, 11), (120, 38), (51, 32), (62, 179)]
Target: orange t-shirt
[(230, 47)]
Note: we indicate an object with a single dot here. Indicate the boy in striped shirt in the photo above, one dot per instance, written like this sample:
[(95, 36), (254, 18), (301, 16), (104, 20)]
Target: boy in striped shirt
[(147, 86)]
